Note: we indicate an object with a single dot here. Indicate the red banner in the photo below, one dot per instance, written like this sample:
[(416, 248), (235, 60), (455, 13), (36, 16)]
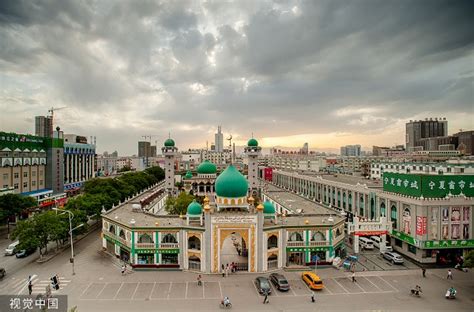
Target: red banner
[(369, 233), (421, 225)]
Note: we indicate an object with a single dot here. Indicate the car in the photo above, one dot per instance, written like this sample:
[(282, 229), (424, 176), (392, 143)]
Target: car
[(280, 281), (25, 252), (393, 257), (263, 285), (2, 272), (312, 280), (12, 249)]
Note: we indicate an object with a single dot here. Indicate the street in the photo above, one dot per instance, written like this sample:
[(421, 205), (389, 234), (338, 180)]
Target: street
[(99, 286)]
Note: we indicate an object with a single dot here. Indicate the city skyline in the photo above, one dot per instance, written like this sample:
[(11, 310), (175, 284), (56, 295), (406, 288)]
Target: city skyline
[(327, 73)]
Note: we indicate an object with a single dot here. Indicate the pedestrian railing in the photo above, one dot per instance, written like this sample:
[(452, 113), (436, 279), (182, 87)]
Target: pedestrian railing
[(145, 245), (295, 244), (169, 245), (318, 243), (194, 265), (272, 264)]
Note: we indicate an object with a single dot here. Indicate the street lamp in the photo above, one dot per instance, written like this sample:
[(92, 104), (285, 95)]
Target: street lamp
[(71, 215)]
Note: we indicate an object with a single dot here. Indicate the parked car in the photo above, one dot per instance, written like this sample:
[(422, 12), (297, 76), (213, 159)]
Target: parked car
[(393, 257), (2, 272), (312, 280), (280, 281), (263, 285), (11, 249), (25, 252)]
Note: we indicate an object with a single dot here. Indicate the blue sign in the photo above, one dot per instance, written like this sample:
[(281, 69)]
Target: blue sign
[(315, 258)]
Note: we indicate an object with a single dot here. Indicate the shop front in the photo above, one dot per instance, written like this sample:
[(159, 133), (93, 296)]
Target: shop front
[(146, 257), (124, 255), (169, 258), (448, 252)]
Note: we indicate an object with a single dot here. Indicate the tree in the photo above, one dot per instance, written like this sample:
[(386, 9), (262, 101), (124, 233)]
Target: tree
[(157, 172), (469, 260), (11, 205), (25, 233), (178, 205), (125, 169)]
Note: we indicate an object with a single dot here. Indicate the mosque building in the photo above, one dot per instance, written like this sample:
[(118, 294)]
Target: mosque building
[(236, 223)]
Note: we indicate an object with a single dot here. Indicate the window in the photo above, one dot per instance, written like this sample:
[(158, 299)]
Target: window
[(433, 169), (448, 169), (25, 174), (412, 249), (41, 172), (169, 258), (33, 173), (461, 170), (15, 186), (398, 243), (5, 186), (16, 175), (33, 183), (25, 184), (41, 182), (5, 176)]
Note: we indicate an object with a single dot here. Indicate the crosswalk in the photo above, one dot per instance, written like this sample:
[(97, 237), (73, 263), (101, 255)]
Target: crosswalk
[(20, 286)]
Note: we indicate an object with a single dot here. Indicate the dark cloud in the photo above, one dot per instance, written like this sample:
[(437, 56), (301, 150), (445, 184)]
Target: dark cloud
[(272, 67)]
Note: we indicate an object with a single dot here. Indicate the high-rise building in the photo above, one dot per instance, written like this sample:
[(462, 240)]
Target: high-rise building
[(219, 140), (465, 142), (152, 151), (79, 162), (144, 149), (43, 126), (350, 150), (305, 149), (428, 128)]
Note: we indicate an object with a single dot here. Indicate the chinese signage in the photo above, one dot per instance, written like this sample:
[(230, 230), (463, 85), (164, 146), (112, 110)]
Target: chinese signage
[(421, 225), (402, 236), (26, 303), (428, 186), (449, 243), (168, 251), (234, 219), (304, 249)]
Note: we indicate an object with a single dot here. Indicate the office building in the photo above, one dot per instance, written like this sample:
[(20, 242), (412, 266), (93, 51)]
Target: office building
[(465, 141), (144, 149), (43, 126), (219, 140), (79, 162), (428, 128), (350, 150)]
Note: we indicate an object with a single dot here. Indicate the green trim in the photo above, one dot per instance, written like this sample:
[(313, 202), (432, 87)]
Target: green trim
[(465, 243), (133, 247), (157, 246), (169, 251), (116, 242), (331, 247), (404, 237), (307, 249)]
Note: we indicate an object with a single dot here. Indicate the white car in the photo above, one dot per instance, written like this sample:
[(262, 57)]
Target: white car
[(393, 257)]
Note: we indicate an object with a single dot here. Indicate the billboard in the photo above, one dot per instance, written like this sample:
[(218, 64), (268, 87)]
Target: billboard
[(430, 186)]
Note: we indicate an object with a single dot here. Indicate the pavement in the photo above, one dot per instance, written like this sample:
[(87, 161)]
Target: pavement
[(98, 285)]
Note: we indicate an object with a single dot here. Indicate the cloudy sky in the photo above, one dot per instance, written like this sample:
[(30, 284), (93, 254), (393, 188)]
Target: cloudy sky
[(324, 72)]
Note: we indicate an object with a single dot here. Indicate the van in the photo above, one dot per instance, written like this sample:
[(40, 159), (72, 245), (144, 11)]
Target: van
[(11, 249), (366, 243), (377, 241)]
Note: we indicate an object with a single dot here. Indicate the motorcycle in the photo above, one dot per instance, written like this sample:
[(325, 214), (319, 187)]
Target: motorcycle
[(450, 294), (225, 305), (460, 268), (415, 292)]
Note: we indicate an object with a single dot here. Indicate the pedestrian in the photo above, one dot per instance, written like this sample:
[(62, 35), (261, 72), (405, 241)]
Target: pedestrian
[(353, 277), (222, 269), (265, 300), (57, 279), (312, 297), (227, 271), (232, 267), (423, 270), (30, 288), (123, 269), (199, 280), (450, 274)]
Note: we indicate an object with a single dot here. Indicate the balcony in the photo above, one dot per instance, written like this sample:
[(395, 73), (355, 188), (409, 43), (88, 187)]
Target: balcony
[(318, 243), (295, 244), (145, 245), (169, 246)]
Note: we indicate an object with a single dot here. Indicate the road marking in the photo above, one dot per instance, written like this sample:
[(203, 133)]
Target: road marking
[(387, 283), (372, 283), (85, 290), (118, 290), (220, 289), (152, 289), (101, 291), (27, 280), (169, 290), (186, 291), (340, 285), (330, 292), (255, 286), (133, 295), (203, 290), (357, 284)]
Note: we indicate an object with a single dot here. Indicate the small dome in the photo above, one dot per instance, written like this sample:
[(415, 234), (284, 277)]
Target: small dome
[(206, 167), (188, 175), (252, 142), (231, 183), (194, 208), (268, 207), (169, 143)]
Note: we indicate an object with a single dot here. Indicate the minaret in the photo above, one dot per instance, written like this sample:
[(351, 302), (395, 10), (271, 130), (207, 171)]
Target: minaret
[(169, 151), (252, 150)]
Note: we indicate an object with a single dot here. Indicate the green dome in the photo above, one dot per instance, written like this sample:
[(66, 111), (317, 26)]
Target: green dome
[(169, 143), (231, 183), (188, 175), (194, 208), (206, 167), (268, 207), (252, 142)]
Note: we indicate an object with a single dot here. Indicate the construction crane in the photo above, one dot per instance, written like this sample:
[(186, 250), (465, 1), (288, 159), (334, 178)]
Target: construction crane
[(52, 110), (146, 153)]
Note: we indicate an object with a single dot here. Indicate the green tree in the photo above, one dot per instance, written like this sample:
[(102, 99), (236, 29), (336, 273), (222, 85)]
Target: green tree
[(25, 233), (178, 205), (469, 260), (11, 205), (157, 172)]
